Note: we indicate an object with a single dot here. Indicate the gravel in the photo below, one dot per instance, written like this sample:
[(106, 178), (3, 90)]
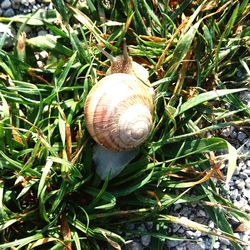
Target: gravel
[(238, 193), (10, 8)]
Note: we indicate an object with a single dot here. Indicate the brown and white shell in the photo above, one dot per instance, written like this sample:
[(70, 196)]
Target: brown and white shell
[(118, 112)]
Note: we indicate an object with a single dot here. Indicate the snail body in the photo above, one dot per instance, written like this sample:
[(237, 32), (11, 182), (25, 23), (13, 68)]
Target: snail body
[(118, 111)]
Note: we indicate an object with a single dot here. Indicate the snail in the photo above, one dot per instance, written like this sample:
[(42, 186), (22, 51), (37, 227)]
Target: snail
[(118, 114)]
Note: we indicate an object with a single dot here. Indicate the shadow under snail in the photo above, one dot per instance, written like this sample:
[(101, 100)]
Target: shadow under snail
[(118, 114)]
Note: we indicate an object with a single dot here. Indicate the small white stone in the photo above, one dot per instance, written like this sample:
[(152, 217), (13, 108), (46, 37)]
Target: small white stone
[(227, 131), (201, 213), (248, 163), (192, 234), (240, 184), (40, 64), (42, 33), (217, 245), (247, 183), (32, 2), (211, 224), (225, 241), (44, 54), (25, 2)]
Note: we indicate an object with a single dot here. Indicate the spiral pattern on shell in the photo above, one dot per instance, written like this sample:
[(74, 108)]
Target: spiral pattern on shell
[(118, 112)]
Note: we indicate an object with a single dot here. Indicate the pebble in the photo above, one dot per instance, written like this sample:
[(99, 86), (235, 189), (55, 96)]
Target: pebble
[(42, 33), (227, 131), (192, 234), (241, 136), (172, 243), (9, 13), (134, 245), (217, 245), (201, 213), (149, 225), (5, 4), (240, 184), (196, 246), (145, 240), (234, 194), (248, 164), (243, 175), (247, 183), (225, 241), (247, 172), (10, 34), (15, 5)]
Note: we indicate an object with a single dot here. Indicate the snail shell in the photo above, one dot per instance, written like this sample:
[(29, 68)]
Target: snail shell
[(118, 111)]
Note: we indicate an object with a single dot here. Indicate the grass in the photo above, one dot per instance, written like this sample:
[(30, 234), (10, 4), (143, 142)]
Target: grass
[(197, 53)]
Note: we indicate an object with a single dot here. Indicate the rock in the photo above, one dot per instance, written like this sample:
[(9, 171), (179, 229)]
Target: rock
[(225, 241), (134, 245), (248, 164), (241, 203), (226, 132), (237, 170), (195, 245), (234, 134), (5, 4), (9, 13), (177, 206), (145, 240), (243, 175), (42, 33), (201, 213), (9, 32), (241, 136), (181, 230), (15, 5), (172, 243), (192, 234), (44, 54), (211, 224), (181, 247), (141, 227), (149, 225), (40, 64), (32, 2), (240, 184), (25, 2), (130, 226), (247, 172), (217, 245), (234, 194), (247, 191), (176, 227), (247, 208)]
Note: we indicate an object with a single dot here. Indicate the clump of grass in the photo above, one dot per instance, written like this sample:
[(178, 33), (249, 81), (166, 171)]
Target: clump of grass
[(197, 54)]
